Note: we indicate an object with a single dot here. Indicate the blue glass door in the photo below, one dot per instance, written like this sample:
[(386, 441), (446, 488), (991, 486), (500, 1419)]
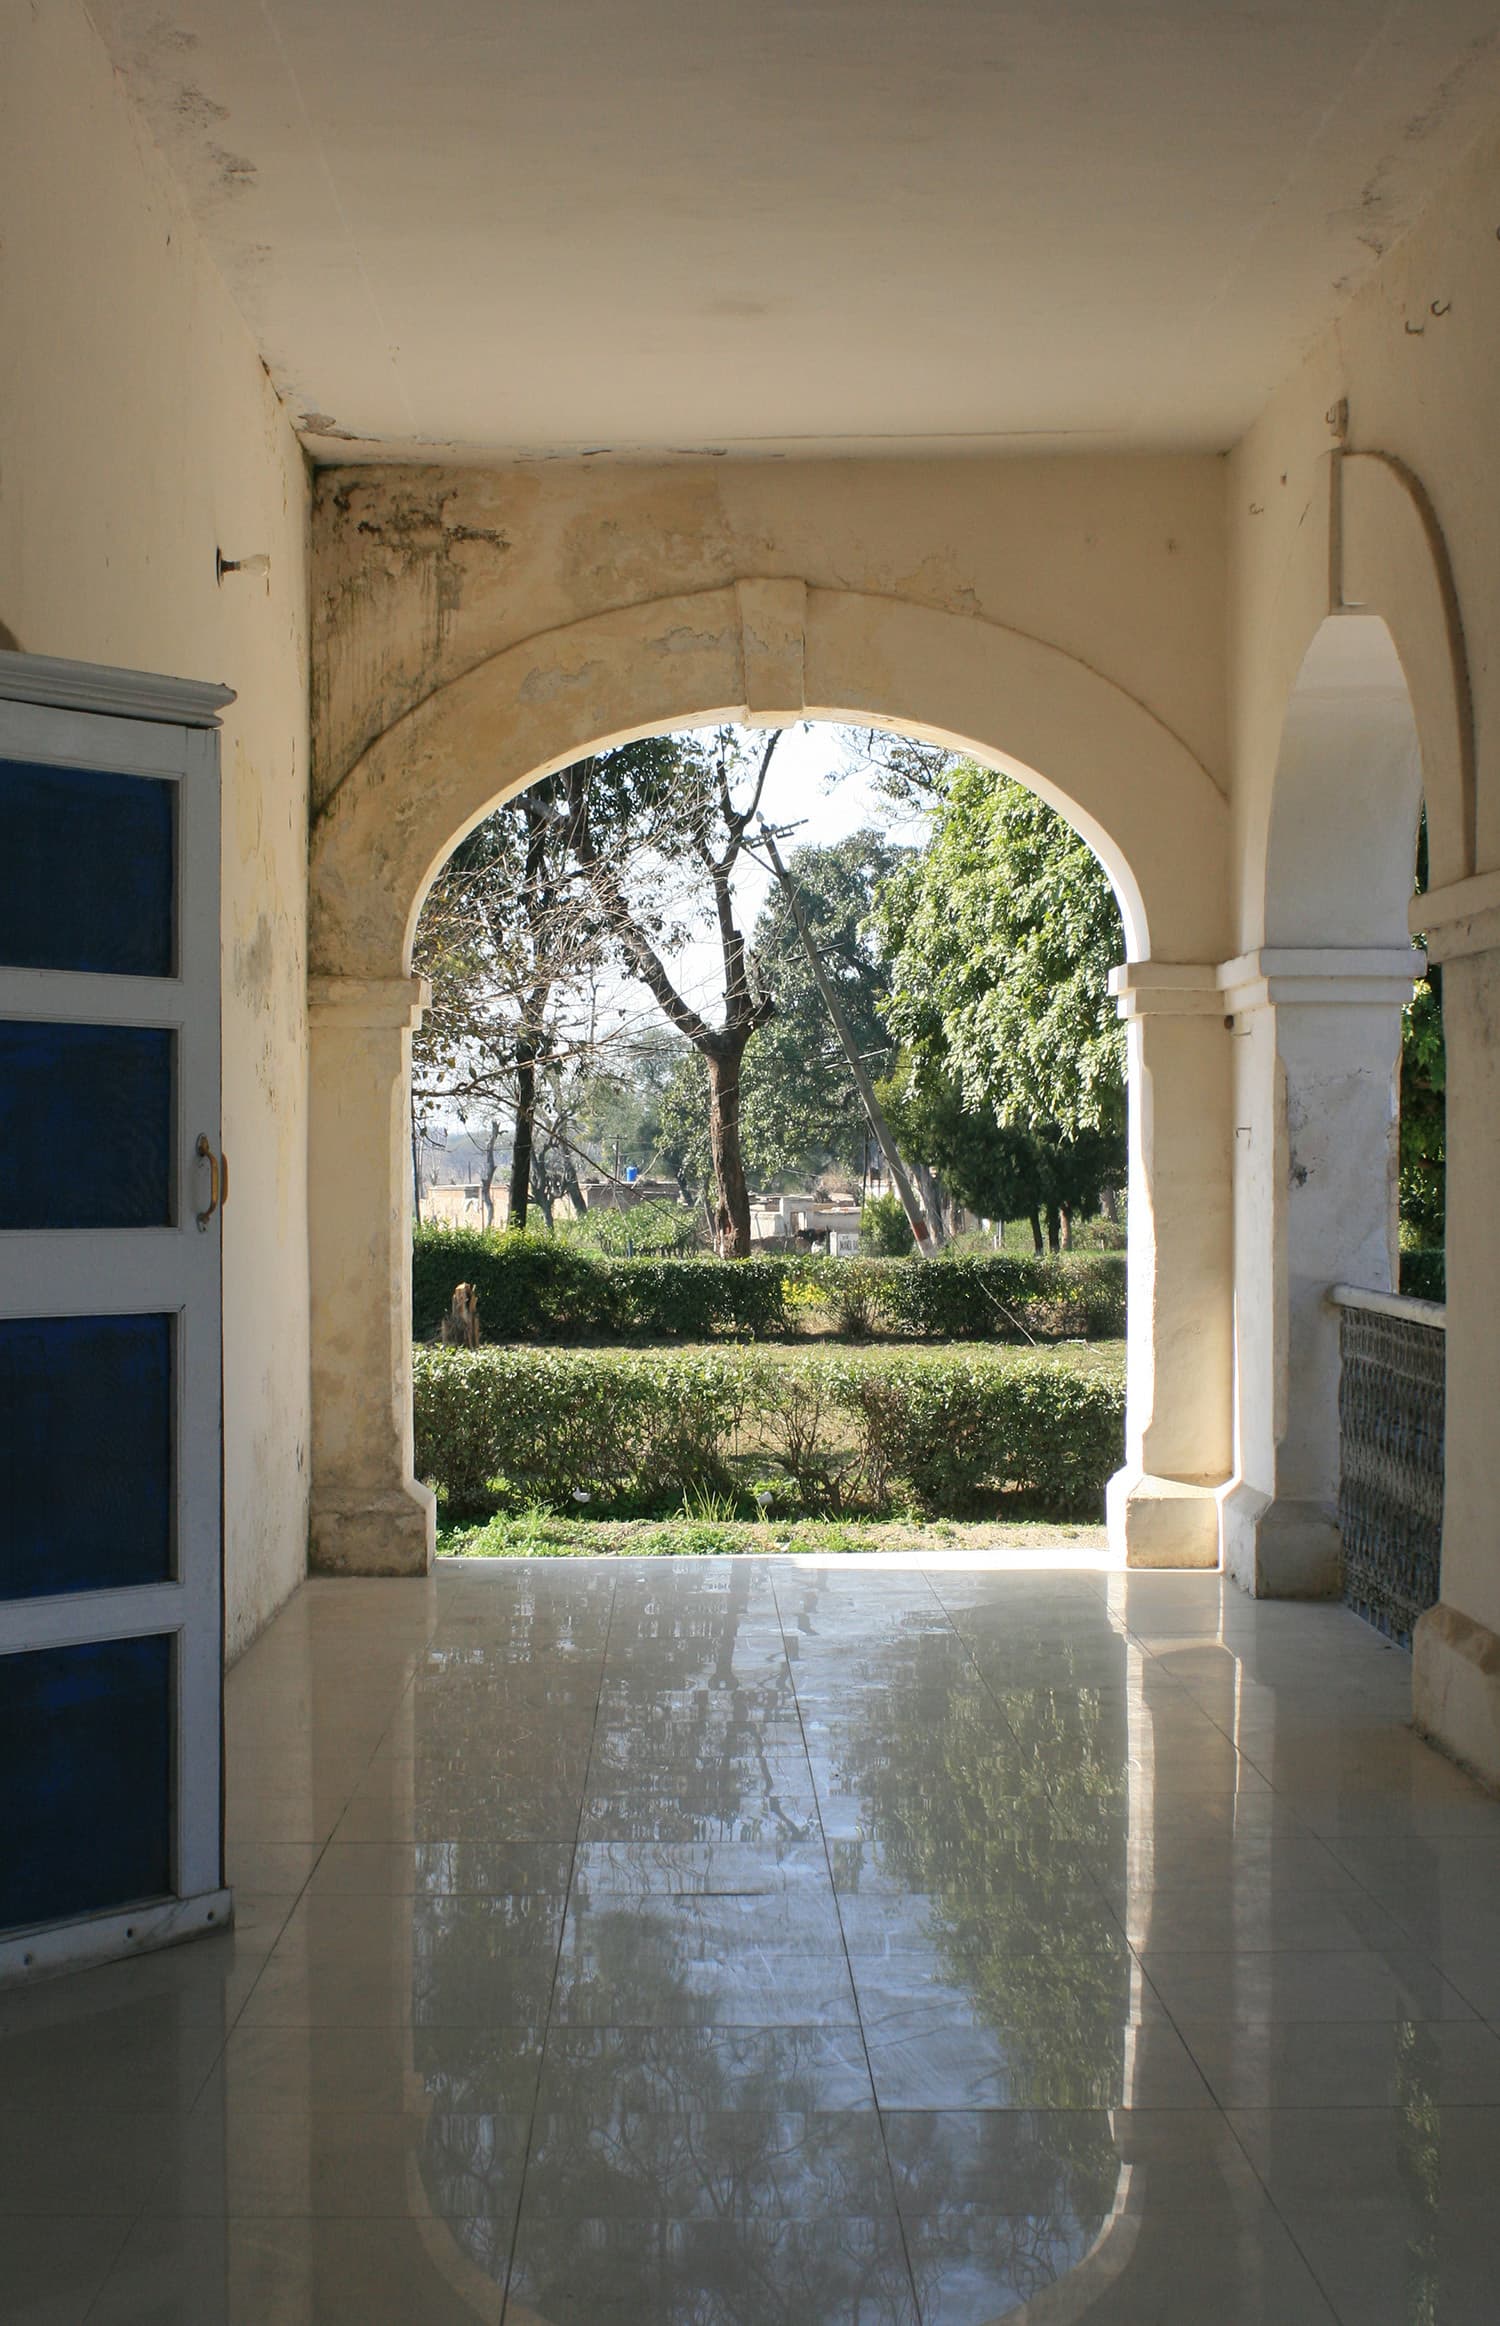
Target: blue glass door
[(111, 1194)]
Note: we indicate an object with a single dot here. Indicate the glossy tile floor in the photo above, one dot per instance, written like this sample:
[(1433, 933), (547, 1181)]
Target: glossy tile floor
[(724, 1942)]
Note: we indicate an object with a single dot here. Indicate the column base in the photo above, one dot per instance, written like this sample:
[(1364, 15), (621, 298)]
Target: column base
[(1278, 1549), (373, 1534), (1456, 1688), (1162, 1522)]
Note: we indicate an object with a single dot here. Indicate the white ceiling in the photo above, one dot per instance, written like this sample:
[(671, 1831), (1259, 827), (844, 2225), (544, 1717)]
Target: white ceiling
[(490, 227)]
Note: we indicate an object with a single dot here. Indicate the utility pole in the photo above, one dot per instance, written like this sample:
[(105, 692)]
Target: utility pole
[(928, 1233)]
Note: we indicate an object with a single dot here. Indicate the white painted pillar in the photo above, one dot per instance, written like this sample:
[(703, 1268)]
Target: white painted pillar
[(1163, 1510), (1456, 1646), (369, 1515), (1316, 1055)]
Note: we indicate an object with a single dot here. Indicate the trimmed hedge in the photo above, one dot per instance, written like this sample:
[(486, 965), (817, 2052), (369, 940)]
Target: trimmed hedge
[(546, 1288), (834, 1431)]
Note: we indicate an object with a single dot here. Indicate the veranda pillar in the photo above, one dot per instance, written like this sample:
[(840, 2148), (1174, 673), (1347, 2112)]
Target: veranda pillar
[(1316, 1049), (369, 1515), (1456, 1681), (1163, 1510)]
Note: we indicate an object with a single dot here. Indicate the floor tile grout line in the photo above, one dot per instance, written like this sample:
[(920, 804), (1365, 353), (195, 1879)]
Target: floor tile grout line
[(232, 2021), (1307, 1832), (1292, 2237), (988, 1685), (562, 1928), (848, 1963), (128, 2230), (327, 1842)]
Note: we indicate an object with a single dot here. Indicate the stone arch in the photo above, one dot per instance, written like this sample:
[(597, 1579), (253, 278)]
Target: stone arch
[(1391, 561), (770, 651)]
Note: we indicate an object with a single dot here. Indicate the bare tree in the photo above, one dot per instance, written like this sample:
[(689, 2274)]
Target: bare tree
[(711, 828)]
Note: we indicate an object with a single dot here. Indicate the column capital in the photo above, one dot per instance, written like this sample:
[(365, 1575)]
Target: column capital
[(358, 1002), (1319, 974), (1459, 919), (1166, 989)]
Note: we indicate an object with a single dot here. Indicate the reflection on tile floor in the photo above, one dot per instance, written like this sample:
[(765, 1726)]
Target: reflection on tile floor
[(781, 1943)]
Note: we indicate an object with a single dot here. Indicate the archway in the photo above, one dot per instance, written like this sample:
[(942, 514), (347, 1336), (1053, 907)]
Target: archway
[(1376, 715), (1316, 1016), (767, 652)]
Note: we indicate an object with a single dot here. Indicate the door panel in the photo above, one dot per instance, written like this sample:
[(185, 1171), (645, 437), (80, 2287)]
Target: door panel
[(110, 1426), (108, 1382)]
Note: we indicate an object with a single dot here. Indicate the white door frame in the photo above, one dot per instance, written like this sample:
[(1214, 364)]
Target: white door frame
[(81, 715)]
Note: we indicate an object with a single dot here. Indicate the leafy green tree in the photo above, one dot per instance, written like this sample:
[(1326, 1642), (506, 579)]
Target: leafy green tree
[(1001, 935), (802, 1112), (993, 1168)]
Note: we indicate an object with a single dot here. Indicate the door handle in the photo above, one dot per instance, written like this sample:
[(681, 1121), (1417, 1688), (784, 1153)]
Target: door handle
[(218, 1187)]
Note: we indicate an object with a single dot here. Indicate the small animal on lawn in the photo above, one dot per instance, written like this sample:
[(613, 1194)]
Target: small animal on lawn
[(461, 1325)]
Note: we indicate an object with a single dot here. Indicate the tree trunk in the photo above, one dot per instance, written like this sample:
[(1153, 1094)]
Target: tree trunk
[(541, 1195), (732, 1213), (1037, 1240), (570, 1182), (1065, 1214), (1054, 1228), (520, 1161), (487, 1175)]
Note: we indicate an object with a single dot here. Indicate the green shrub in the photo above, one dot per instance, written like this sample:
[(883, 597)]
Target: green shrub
[(844, 1431), (569, 1425), (1100, 1236), (530, 1286), (884, 1229), (650, 1230), (548, 1288), (1005, 1297), (957, 1429)]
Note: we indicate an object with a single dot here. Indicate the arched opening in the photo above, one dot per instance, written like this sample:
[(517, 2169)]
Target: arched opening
[(638, 903), (1316, 1016), (773, 652), (964, 1017)]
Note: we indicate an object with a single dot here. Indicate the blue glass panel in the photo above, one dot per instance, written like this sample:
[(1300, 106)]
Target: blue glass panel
[(85, 1126), (86, 1473), (86, 1806), (86, 870)]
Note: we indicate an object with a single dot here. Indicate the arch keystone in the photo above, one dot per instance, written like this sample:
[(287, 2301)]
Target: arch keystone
[(773, 639)]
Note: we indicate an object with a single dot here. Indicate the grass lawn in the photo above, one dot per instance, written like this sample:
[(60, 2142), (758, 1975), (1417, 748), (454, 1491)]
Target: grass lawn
[(538, 1535)]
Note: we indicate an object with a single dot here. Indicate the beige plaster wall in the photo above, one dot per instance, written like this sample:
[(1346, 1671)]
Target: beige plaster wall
[(418, 574), (137, 430), (1420, 387)]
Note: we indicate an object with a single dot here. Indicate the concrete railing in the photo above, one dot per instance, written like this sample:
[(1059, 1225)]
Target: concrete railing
[(1391, 1383)]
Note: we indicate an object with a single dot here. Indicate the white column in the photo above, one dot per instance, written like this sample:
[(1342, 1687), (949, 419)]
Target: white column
[(1163, 1510), (1316, 1055), (369, 1514), (1456, 1647)]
